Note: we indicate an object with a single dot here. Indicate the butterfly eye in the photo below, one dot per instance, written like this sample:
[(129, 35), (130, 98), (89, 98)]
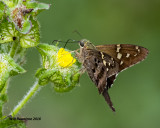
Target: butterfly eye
[(81, 43)]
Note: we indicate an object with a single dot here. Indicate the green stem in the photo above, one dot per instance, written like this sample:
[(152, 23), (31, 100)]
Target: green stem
[(13, 48), (25, 99), (4, 90), (3, 98)]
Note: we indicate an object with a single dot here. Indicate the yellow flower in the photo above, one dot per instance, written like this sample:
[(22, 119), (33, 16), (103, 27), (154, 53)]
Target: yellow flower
[(64, 58)]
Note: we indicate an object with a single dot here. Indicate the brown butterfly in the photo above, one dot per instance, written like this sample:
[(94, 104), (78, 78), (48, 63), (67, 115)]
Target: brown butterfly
[(104, 62)]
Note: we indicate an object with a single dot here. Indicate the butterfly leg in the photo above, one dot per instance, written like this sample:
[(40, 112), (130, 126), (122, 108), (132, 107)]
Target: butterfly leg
[(78, 56), (82, 70)]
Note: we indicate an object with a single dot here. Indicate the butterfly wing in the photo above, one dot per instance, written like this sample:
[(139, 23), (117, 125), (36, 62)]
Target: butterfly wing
[(125, 54), (102, 71), (104, 62)]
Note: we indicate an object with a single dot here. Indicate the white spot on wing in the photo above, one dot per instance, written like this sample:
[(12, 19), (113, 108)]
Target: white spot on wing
[(138, 49), (127, 55), (102, 55), (119, 55), (104, 62), (121, 62), (118, 47)]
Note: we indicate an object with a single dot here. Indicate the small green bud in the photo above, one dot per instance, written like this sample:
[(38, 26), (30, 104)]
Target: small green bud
[(18, 21), (59, 67), (20, 11)]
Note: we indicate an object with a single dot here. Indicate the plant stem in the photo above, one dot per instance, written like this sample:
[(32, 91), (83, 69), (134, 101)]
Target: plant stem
[(4, 90), (13, 48), (26, 98), (3, 97)]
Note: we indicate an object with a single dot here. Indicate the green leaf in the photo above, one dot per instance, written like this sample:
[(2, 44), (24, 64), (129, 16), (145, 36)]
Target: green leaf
[(31, 39), (38, 7), (47, 52), (7, 31), (2, 10), (8, 68), (5, 48), (44, 76), (1, 105), (10, 4), (11, 65)]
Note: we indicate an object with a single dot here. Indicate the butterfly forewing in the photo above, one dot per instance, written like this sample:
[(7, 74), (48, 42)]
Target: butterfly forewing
[(125, 54)]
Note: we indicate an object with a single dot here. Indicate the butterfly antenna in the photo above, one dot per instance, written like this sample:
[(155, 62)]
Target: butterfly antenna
[(78, 33), (66, 42), (69, 41), (56, 41)]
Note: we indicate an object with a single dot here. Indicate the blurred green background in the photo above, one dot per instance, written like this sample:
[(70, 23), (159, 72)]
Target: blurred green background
[(136, 92)]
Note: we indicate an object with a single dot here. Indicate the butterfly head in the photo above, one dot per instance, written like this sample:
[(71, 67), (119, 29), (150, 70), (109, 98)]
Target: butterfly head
[(86, 44)]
